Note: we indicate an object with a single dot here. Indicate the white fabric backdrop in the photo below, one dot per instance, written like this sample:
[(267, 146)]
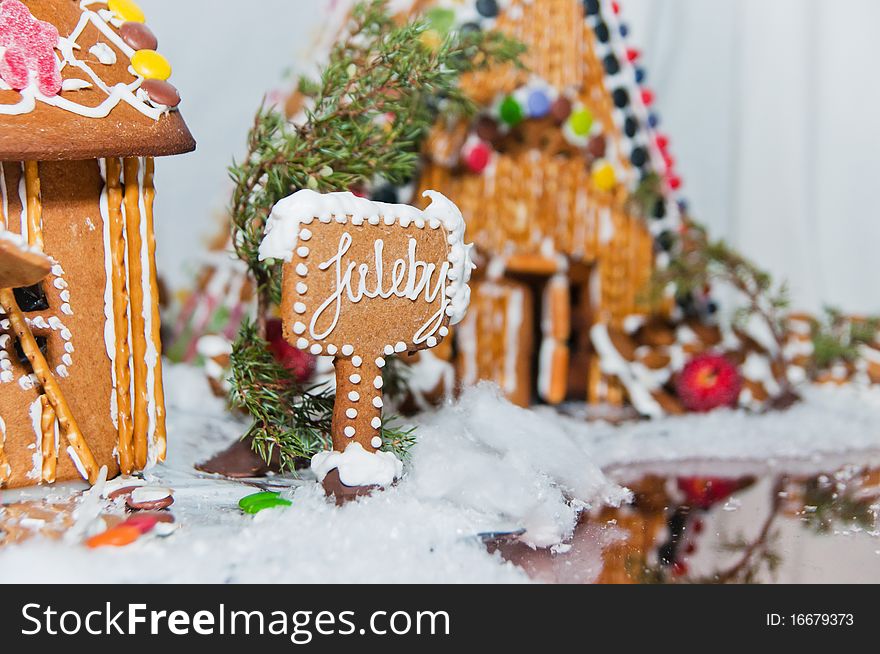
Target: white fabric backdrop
[(770, 104)]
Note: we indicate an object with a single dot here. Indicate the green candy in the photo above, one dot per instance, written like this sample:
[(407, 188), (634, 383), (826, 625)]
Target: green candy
[(511, 111), (253, 504), (581, 121)]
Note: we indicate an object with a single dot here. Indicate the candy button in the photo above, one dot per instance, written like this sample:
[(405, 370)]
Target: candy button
[(511, 111), (127, 10), (581, 121), (138, 36), (539, 104), (604, 177), (597, 146), (257, 502), (161, 92), (149, 64), (560, 110), (487, 129), (149, 498), (146, 522), (118, 536)]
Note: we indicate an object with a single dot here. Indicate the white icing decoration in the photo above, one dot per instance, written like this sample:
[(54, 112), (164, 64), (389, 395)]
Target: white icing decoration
[(357, 362), (302, 288), (316, 349), (380, 362), (347, 350), (351, 414), (378, 382), (357, 467), (350, 432), (377, 402), (376, 442), (376, 423), (355, 379), (103, 53), (354, 396)]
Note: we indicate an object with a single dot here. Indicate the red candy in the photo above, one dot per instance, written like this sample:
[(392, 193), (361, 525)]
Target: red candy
[(29, 49), (144, 523), (477, 157)]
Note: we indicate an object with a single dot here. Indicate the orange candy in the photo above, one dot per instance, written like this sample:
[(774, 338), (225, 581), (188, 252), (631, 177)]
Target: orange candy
[(118, 536)]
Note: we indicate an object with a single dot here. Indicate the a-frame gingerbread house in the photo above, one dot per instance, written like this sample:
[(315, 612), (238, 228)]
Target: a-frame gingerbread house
[(545, 174)]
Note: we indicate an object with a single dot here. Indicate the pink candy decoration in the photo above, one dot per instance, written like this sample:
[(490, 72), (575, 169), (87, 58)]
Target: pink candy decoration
[(30, 49)]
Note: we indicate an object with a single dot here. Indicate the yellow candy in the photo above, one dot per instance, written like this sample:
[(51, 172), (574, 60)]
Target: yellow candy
[(149, 64), (604, 177), (127, 10)]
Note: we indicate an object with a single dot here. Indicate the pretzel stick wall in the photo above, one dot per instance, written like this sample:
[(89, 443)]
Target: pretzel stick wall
[(120, 316), (34, 204), (47, 446), (138, 322), (149, 191), (53, 392)]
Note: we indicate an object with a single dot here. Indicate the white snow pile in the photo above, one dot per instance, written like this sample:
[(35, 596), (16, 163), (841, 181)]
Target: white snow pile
[(830, 420), (481, 465), (489, 456)]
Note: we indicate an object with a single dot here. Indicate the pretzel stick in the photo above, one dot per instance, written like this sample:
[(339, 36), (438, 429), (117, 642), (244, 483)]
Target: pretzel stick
[(34, 204), (50, 386), (120, 316), (5, 469), (138, 323), (159, 386), (49, 453)]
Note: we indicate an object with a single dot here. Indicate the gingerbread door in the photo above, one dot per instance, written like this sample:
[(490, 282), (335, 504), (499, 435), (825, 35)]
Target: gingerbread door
[(496, 340)]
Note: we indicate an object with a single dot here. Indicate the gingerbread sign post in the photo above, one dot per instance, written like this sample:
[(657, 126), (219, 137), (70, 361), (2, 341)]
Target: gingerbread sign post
[(363, 281)]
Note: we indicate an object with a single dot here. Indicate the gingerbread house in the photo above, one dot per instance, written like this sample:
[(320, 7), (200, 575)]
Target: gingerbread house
[(85, 105), (545, 174)]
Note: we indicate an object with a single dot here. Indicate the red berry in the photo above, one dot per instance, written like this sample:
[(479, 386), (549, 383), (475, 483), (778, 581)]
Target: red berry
[(704, 492), (647, 97), (707, 382), (632, 54), (675, 182), (300, 363), (662, 141)]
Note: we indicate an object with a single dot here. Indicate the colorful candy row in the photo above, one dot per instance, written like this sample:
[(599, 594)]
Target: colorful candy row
[(146, 62)]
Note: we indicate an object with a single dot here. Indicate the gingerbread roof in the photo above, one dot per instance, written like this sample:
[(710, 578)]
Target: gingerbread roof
[(80, 79)]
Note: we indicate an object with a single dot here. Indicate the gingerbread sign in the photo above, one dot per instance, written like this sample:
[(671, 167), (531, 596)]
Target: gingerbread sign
[(363, 281)]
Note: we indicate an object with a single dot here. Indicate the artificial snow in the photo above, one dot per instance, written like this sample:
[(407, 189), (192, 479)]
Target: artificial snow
[(481, 465)]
